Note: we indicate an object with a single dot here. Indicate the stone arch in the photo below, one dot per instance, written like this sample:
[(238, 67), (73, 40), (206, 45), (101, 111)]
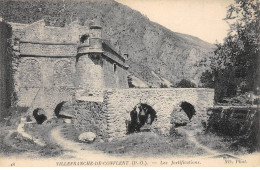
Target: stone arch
[(58, 110), (30, 73), (62, 73), (182, 113), (132, 103), (141, 115)]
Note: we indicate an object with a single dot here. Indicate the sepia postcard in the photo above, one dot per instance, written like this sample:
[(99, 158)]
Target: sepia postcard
[(129, 83)]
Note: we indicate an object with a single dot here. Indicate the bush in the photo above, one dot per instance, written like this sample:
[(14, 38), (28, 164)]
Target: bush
[(13, 115), (185, 84), (163, 85)]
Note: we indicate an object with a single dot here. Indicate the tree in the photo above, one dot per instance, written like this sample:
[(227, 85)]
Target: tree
[(236, 61), (207, 79)]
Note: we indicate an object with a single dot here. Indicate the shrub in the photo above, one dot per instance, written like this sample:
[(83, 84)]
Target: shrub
[(185, 84)]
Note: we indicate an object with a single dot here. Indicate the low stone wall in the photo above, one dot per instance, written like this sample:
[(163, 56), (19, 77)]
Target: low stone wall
[(119, 104)]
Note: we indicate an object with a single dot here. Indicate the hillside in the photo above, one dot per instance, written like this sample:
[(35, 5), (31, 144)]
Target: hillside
[(155, 53)]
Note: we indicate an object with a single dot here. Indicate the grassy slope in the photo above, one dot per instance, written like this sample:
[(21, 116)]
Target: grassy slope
[(142, 144), (147, 144), (223, 144), (42, 132), (12, 143), (150, 46)]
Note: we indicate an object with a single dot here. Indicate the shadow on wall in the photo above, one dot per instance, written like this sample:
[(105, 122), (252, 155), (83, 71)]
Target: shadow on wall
[(141, 115)]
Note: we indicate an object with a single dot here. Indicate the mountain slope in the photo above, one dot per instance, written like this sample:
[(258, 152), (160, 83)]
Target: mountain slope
[(151, 47)]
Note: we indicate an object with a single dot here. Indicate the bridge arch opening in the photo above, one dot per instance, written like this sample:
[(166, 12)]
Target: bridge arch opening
[(188, 108), (182, 114), (58, 109), (141, 115)]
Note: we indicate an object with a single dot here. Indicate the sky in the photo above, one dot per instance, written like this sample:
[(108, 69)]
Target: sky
[(200, 18)]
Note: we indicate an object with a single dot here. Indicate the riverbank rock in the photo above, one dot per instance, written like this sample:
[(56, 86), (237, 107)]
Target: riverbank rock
[(68, 121), (87, 137)]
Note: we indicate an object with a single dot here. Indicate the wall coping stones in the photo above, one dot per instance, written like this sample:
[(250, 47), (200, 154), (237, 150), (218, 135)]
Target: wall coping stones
[(108, 90)]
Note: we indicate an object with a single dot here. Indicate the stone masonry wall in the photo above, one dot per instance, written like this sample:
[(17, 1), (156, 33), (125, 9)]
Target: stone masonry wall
[(114, 78), (110, 81), (44, 82), (122, 76), (91, 117), (120, 102), (41, 49), (5, 99), (89, 77), (89, 72)]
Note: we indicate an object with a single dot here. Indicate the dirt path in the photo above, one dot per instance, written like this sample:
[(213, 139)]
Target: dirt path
[(75, 149), (82, 151), (191, 137), (20, 129), (215, 154)]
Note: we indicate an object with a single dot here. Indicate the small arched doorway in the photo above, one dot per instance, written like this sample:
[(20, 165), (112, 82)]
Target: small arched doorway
[(141, 115), (39, 115)]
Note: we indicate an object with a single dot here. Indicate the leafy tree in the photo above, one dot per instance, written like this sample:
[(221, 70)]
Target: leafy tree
[(207, 79), (236, 61)]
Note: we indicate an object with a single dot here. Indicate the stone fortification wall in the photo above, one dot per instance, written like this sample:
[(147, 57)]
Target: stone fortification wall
[(5, 60), (39, 32), (44, 82), (89, 72), (114, 75), (47, 49)]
